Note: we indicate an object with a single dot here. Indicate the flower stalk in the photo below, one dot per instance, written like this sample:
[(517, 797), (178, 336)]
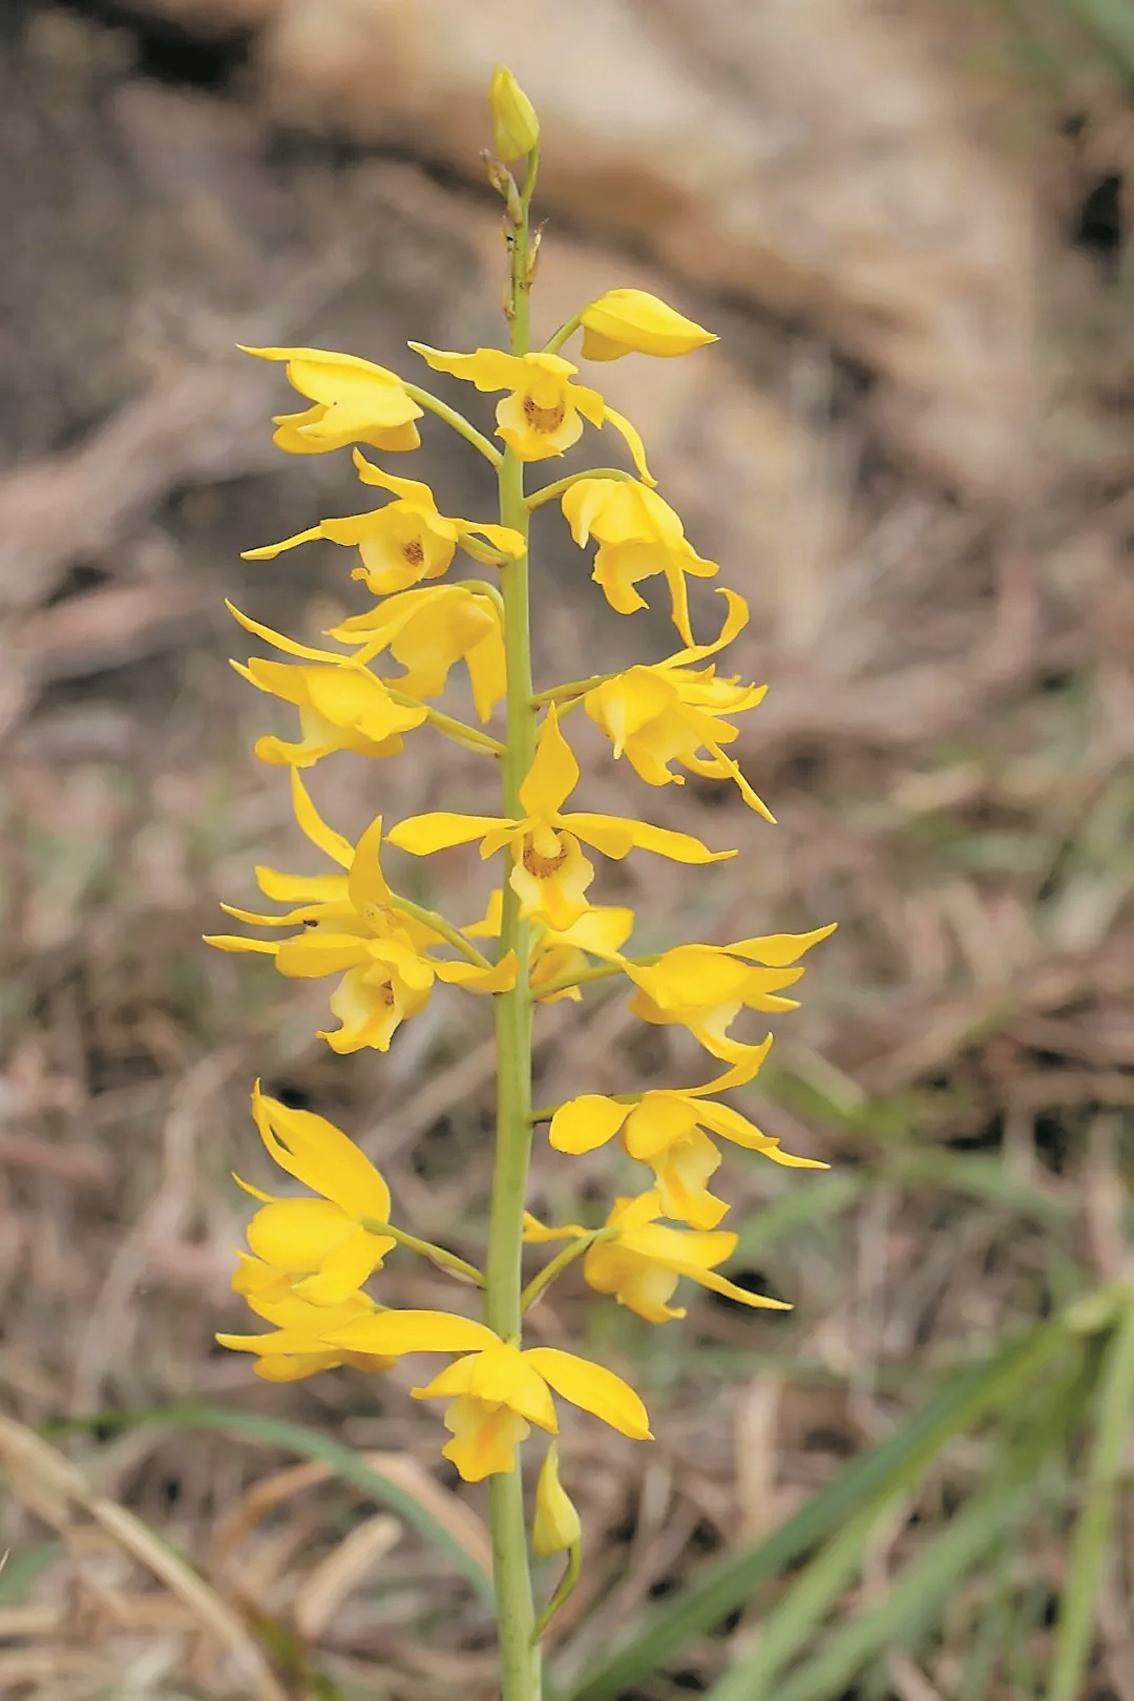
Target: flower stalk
[(519, 1646)]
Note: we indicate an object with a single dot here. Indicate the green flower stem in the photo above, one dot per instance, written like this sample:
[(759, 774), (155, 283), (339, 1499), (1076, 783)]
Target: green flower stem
[(470, 736), (486, 590), (458, 422), (573, 688), (580, 977), (566, 330), (564, 1589), (555, 1267), (436, 1254), (430, 918), (548, 492), (519, 1652)]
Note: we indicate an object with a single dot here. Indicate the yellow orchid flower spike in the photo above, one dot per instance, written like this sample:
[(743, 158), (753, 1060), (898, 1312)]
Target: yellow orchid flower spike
[(640, 1260), (353, 401), (669, 1129), (406, 540), (704, 987), (549, 874), (671, 712), (318, 1244), (542, 415), (638, 535), (375, 677), (496, 1390), (353, 925), (632, 321)]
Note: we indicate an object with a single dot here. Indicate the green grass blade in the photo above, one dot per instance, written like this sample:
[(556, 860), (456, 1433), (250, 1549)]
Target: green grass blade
[(20, 1570), (902, 1617), (1091, 1542), (295, 1438), (790, 1623), (897, 1463)]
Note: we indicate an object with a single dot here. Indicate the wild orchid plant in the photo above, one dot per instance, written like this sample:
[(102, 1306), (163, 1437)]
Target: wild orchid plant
[(310, 1258)]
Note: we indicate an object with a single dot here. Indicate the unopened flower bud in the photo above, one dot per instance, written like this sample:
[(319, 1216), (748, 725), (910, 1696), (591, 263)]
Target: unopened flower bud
[(556, 1528), (631, 321), (515, 127)]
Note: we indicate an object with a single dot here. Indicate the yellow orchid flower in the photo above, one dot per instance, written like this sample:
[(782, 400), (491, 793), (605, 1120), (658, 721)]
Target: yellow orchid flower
[(496, 1390), (342, 705), (632, 321), (515, 127), (404, 541), (318, 1246), (353, 400), (600, 932), (704, 987), (543, 413), (670, 712), (556, 1527), (638, 535), (349, 922), (428, 630), (294, 1348), (668, 1128), (641, 1260), (550, 873)]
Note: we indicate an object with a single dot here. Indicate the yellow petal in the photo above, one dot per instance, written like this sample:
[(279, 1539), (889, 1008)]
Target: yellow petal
[(554, 773), (583, 1124), (498, 977), (489, 925), (633, 442), (615, 837), (322, 1157), (269, 551), (342, 1270), (366, 883), (484, 1439), (297, 1234), (410, 490), (735, 620), (515, 127), (542, 1234), (556, 1526), (234, 942), (504, 538), (777, 950), (721, 1285), (488, 368), (313, 827), (394, 1333), (594, 1388), (629, 321), (744, 1070), (421, 835)]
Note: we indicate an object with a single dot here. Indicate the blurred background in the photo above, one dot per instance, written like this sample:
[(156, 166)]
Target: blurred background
[(912, 451)]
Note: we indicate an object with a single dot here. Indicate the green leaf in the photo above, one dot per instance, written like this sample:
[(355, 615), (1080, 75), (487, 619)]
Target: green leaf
[(872, 1480), (1090, 1545), (309, 1444)]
